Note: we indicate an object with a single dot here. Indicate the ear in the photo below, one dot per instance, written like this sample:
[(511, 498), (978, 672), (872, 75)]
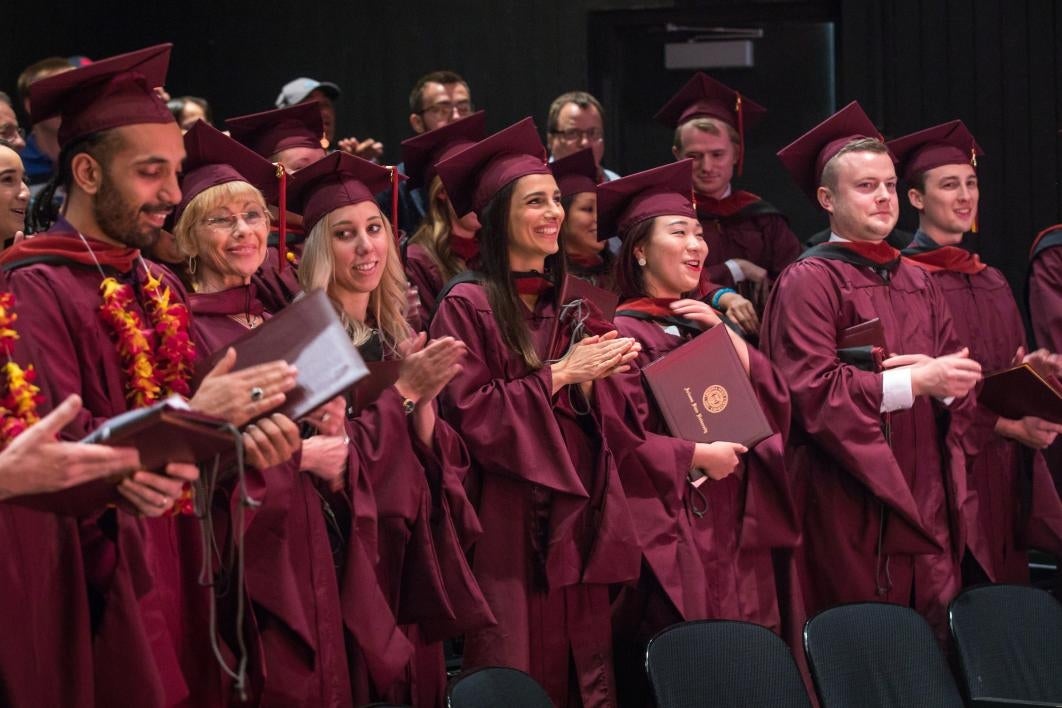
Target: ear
[(825, 197), (917, 199), (86, 172), (676, 153), (638, 252), (416, 123)]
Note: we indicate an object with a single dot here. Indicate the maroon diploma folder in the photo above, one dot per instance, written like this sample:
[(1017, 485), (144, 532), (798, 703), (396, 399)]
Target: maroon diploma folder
[(309, 335), (704, 394), (166, 432), (1022, 391)]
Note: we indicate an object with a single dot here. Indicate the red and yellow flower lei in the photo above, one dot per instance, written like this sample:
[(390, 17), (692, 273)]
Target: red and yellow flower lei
[(19, 399), (151, 372)]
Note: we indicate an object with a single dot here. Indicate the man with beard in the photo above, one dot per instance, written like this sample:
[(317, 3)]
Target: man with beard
[(100, 321), (877, 454)]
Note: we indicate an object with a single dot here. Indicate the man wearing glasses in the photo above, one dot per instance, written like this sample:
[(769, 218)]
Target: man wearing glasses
[(437, 99), (10, 133), (576, 121)]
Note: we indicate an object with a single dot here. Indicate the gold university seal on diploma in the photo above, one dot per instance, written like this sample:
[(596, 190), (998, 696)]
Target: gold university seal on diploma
[(715, 399)]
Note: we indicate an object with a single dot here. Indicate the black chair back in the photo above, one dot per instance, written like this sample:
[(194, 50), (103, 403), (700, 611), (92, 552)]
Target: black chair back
[(496, 687), (1009, 642), (874, 654), (725, 664)]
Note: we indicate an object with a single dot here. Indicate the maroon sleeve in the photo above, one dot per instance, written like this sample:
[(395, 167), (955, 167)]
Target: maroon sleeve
[(783, 245), (1045, 299)]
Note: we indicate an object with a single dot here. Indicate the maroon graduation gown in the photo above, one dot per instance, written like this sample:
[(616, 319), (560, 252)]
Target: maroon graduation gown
[(881, 522), (1045, 311), (424, 525), (987, 320), (289, 572), (719, 566), (150, 641), (557, 530), (424, 275), (743, 225)]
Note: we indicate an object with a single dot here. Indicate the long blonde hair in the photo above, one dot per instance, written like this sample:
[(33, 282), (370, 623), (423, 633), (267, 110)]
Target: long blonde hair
[(387, 303), (435, 232)]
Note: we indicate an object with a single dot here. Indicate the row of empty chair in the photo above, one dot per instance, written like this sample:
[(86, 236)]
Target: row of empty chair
[(1007, 652)]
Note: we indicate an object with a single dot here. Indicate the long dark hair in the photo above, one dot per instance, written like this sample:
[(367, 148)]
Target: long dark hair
[(45, 211), (630, 280), (494, 264)]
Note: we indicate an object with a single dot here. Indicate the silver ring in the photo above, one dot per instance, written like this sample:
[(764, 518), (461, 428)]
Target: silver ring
[(257, 393)]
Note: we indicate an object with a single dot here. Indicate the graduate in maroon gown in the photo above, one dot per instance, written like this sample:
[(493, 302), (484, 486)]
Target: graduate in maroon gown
[(877, 454), (749, 240), (292, 138), (1044, 293), (587, 257), (444, 244), (43, 607), (100, 321), (222, 227), (533, 408), (938, 165), (707, 515), (414, 463)]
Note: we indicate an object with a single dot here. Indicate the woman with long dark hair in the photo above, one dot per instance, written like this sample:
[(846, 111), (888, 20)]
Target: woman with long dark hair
[(709, 515), (532, 403)]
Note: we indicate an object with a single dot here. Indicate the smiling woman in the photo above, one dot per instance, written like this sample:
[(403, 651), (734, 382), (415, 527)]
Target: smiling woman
[(14, 195)]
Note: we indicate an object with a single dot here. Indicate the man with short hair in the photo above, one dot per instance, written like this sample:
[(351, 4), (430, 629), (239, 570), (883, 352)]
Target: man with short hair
[(326, 93), (576, 120), (100, 321), (749, 240), (41, 151), (878, 423), (438, 98), (10, 133)]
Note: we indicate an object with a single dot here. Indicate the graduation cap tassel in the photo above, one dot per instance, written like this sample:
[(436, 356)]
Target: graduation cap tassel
[(394, 203), (282, 229), (741, 136)]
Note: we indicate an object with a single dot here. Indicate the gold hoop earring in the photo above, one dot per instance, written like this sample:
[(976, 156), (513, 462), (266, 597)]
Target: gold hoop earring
[(193, 263)]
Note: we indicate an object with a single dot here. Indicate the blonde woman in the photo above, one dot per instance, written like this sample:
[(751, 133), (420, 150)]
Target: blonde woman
[(414, 462)]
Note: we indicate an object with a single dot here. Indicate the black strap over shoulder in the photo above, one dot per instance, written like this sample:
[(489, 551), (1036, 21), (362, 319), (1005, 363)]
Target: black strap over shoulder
[(48, 259), (681, 322), (465, 276), (834, 252), (1048, 240)]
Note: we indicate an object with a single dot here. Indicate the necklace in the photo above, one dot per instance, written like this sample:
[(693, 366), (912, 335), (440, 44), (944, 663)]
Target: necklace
[(152, 372), (18, 401)]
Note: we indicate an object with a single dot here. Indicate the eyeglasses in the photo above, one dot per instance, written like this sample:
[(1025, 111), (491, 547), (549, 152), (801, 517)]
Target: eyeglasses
[(228, 223), (11, 132), (444, 109), (574, 135)]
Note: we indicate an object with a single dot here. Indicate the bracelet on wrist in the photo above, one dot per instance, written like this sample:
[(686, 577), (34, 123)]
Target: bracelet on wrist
[(718, 295)]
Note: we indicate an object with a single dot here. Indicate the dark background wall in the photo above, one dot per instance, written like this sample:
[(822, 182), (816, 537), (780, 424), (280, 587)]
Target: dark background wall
[(911, 63)]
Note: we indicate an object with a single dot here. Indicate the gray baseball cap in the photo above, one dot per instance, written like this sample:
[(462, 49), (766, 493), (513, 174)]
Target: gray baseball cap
[(297, 90)]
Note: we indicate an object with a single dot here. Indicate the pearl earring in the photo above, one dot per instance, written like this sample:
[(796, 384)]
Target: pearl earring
[(641, 262)]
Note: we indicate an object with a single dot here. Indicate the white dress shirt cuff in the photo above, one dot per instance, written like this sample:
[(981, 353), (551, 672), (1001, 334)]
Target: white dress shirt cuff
[(735, 270), (897, 394)]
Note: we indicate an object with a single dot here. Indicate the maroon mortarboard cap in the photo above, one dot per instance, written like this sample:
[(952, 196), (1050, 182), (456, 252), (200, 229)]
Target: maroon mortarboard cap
[(214, 158), (575, 173), (806, 156), (474, 175), (421, 152), (105, 94), (660, 191), (945, 144), (269, 132), (334, 181), (703, 96)]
